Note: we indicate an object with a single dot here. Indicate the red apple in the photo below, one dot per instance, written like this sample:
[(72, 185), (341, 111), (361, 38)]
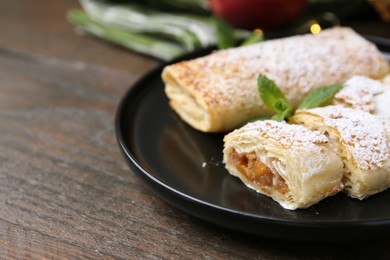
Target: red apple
[(264, 14)]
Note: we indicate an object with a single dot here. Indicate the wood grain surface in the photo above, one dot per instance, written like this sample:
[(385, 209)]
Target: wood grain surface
[(65, 189)]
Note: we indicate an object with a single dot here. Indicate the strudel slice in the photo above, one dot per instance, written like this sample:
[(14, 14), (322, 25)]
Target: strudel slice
[(362, 142), (289, 163)]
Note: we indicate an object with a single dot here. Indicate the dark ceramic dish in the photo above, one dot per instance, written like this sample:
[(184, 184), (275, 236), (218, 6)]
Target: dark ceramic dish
[(183, 166)]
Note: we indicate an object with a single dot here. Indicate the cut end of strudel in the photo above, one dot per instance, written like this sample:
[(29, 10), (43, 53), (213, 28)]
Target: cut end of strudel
[(289, 163), (362, 142), (218, 92)]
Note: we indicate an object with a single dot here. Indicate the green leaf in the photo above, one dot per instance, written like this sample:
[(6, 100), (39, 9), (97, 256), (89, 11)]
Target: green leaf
[(273, 98), (281, 105), (281, 116), (225, 34), (320, 96), (271, 95), (256, 36), (285, 112)]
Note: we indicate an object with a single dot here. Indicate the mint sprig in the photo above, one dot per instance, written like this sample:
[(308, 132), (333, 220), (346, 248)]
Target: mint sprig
[(320, 96), (274, 98)]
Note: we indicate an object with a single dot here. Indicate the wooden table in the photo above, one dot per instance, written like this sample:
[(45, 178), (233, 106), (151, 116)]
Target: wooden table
[(65, 189)]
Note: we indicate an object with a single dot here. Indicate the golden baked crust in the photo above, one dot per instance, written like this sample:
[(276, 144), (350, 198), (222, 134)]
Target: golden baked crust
[(218, 93)]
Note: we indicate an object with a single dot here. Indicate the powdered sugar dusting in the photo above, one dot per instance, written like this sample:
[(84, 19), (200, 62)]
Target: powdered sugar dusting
[(359, 92), (297, 64), (382, 105), (362, 133), (283, 133)]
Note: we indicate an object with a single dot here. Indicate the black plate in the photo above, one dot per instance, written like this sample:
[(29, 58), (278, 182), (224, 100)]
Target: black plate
[(183, 166)]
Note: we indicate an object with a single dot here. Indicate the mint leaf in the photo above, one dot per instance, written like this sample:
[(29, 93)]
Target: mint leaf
[(281, 105), (281, 116), (320, 95), (272, 96), (225, 34)]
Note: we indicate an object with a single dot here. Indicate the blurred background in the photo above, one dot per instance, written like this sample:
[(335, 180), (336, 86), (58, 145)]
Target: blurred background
[(166, 29)]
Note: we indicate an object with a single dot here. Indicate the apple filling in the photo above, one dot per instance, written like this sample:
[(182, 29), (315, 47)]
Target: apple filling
[(256, 172)]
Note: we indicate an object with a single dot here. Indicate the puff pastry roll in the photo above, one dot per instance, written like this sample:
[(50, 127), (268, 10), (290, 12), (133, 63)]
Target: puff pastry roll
[(289, 163), (218, 92), (362, 142)]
